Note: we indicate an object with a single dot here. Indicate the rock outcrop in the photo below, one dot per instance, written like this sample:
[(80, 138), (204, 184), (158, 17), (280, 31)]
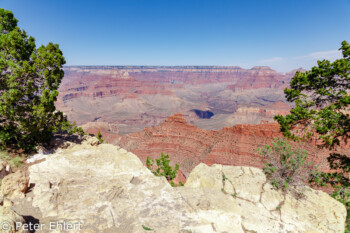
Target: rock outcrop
[(251, 115), (9, 220), (15, 184), (104, 188), (264, 209)]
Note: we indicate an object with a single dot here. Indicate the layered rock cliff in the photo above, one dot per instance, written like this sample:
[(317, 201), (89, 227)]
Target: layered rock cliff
[(189, 145), (104, 188), (135, 97)]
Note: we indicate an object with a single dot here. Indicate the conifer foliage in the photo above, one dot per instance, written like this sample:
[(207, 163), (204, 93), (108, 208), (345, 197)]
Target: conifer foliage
[(29, 80), (322, 104), (322, 100)]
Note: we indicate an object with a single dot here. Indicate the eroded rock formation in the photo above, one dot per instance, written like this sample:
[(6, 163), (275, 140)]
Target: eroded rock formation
[(264, 209), (189, 145), (135, 97)]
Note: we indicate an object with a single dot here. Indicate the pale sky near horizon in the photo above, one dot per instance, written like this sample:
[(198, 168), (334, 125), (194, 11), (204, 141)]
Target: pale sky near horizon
[(282, 34)]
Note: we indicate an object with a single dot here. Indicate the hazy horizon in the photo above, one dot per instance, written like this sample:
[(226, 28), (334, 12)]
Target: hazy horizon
[(209, 66)]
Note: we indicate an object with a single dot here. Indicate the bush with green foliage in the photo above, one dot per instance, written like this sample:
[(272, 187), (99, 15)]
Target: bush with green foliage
[(161, 167), (286, 165), (29, 80), (99, 137), (322, 101)]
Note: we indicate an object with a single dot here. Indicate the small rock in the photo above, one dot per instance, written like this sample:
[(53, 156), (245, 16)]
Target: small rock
[(15, 185), (43, 150), (93, 141), (5, 169)]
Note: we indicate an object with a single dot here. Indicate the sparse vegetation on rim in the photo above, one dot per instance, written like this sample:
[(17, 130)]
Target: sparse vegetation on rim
[(99, 137), (286, 165)]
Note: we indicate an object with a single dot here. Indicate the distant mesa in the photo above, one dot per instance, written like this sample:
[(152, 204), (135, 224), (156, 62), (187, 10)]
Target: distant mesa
[(261, 68)]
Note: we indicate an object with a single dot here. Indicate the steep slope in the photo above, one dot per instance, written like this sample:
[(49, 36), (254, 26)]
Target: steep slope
[(186, 144)]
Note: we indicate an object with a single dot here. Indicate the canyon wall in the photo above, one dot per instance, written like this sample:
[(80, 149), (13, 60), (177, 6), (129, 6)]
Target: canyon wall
[(225, 113), (135, 97), (189, 145)]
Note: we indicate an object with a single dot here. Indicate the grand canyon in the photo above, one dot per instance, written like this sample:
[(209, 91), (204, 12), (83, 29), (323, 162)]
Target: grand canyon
[(160, 116), (135, 97), (194, 113)]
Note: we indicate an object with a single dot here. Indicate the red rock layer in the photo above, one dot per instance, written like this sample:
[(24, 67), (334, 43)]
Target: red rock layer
[(116, 83), (185, 143), (189, 145), (107, 81)]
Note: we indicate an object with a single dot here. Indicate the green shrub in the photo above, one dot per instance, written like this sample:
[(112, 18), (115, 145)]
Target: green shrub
[(161, 167), (69, 127), (343, 195), (286, 165), (99, 137), (16, 161)]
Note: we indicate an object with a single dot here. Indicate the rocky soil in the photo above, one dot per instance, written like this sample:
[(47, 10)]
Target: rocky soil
[(104, 188)]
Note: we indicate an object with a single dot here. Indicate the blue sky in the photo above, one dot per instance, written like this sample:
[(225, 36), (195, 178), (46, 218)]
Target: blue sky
[(283, 34)]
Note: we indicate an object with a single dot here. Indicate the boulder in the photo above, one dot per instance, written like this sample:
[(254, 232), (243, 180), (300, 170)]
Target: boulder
[(105, 189), (93, 141), (265, 209)]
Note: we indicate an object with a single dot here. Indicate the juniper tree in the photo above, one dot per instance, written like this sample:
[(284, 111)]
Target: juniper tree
[(322, 101), (29, 80)]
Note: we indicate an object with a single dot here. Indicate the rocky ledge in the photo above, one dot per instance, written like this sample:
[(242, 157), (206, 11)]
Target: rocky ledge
[(103, 188)]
